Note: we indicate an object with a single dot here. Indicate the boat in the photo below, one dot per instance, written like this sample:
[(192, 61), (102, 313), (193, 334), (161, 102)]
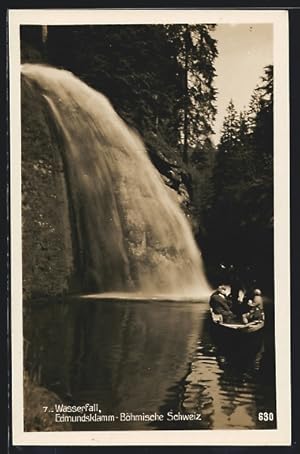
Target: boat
[(246, 328)]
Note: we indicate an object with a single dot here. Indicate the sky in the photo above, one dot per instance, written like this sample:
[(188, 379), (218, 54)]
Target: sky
[(244, 51)]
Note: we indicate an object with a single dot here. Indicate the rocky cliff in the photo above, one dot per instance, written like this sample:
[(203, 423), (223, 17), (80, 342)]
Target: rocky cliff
[(47, 241)]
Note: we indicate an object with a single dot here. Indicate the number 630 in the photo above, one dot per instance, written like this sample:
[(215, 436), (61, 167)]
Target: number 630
[(266, 416)]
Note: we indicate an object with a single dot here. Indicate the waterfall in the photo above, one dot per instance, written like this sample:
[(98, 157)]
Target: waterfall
[(131, 235)]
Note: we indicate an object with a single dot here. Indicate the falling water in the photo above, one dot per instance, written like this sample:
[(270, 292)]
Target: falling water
[(132, 235)]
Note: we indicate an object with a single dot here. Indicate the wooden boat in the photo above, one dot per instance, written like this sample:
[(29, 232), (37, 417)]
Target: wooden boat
[(246, 328)]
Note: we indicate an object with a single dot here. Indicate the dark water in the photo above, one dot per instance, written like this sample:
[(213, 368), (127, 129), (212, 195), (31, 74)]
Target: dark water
[(151, 356)]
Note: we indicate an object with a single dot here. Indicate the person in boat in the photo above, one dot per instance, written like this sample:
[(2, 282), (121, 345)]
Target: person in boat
[(237, 293), (236, 279), (255, 304), (258, 299), (239, 306), (220, 304)]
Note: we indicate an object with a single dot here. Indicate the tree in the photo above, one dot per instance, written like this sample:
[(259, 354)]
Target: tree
[(123, 63), (240, 223), (262, 143), (228, 162), (263, 128), (230, 130), (196, 52)]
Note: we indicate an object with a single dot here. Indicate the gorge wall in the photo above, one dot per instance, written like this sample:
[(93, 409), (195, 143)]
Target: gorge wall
[(46, 230)]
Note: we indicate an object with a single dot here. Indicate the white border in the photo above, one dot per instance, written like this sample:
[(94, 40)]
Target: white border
[(280, 436)]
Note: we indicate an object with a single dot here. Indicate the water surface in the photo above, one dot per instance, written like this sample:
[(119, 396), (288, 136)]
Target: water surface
[(150, 356)]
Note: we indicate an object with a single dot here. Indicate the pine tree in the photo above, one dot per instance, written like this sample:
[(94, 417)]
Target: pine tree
[(230, 130), (263, 129), (242, 207), (196, 52), (262, 148)]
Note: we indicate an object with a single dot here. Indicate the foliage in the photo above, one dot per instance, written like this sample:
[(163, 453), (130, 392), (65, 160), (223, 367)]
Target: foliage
[(241, 221), (196, 53), (123, 63)]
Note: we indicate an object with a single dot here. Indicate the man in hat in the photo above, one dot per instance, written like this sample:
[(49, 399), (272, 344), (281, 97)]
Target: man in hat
[(221, 305)]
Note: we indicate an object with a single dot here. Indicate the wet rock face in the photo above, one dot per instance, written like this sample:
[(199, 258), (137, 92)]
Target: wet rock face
[(172, 170), (46, 233)]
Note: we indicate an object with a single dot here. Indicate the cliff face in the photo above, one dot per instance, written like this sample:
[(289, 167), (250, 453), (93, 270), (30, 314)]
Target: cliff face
[(46, 230)]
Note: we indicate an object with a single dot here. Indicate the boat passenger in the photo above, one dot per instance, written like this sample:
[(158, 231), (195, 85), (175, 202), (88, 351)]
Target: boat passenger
[(258, 299), (239, 305), (256, 306), (221, 305)]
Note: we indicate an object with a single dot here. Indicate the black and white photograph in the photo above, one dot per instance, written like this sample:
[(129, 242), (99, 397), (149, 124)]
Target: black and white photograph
[(150, 259)]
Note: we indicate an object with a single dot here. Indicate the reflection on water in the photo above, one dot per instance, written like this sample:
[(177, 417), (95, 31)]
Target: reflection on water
[(145, 357)]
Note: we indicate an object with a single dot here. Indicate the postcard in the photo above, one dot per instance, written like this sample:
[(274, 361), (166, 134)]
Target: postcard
[(150, 274)]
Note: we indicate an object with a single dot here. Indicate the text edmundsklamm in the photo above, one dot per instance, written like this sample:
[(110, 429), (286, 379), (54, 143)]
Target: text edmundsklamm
[(92, 413)]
